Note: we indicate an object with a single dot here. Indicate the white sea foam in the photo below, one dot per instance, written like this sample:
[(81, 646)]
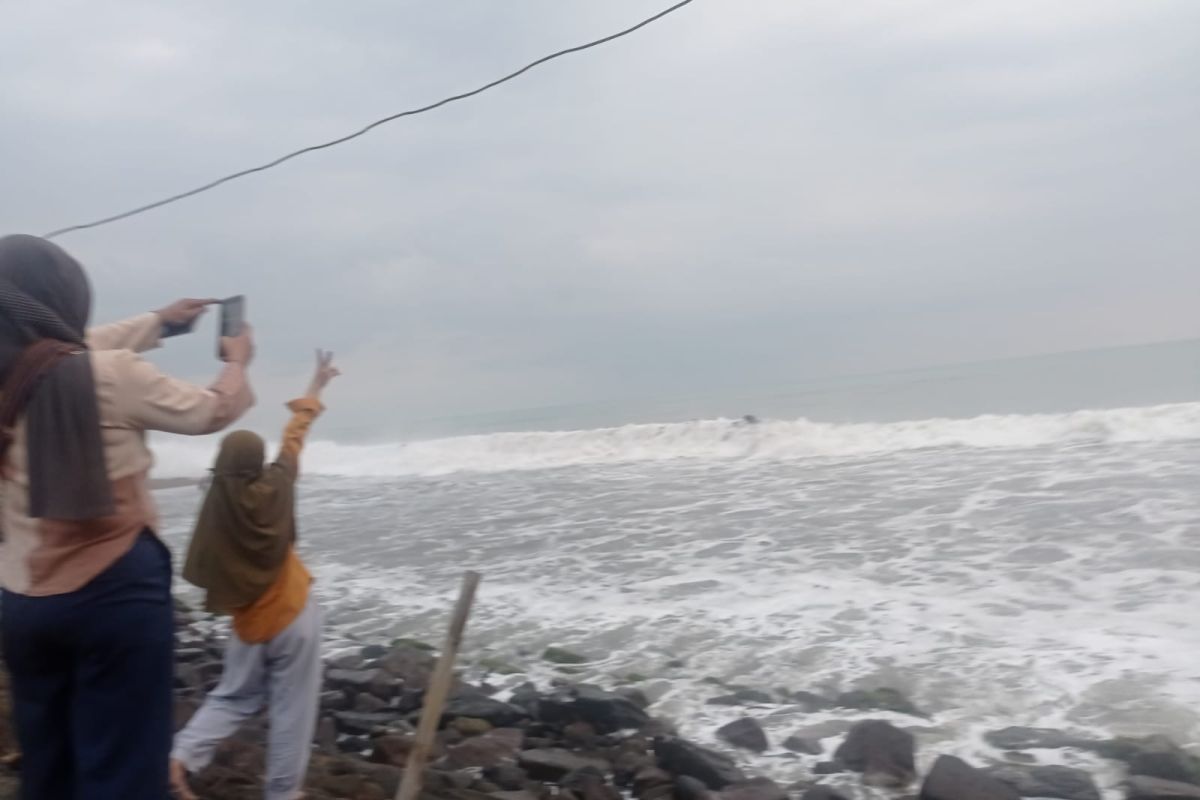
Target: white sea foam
[(719, 439)]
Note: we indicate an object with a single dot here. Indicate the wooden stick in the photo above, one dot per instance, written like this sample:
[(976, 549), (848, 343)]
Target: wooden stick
[(439, 688)]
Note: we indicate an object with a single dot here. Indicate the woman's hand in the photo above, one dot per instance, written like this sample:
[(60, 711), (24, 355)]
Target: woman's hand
[(239, 349), (182, 314), (326, 372)]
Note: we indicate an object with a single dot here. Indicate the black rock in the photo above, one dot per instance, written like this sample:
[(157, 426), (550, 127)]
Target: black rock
[(756, 789), (607, 712), (354, 744), (829, 768), (500, 715), (882, 752), (801, 744), (1065, 783), (373, 651), (508, 777), (335, 700), (745, 733), (689, 788), (823, 793), (1035, 739), (369, 703), (553, 764), (526, 697), (810, 702), (1153, 757), (681, 757), (1140, 787), (953, 779), (358, 722), (360, 680)]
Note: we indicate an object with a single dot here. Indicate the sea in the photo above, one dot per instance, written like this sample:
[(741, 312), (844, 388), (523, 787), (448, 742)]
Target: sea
[(1008, 543)]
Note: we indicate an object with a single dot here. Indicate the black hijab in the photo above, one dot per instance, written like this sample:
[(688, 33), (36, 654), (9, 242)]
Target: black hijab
[(45, 295)]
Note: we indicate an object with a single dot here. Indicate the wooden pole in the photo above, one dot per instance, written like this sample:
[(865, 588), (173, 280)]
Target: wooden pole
[(439, 688)]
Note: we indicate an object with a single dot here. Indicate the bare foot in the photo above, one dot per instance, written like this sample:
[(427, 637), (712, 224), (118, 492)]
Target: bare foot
[(179, 784)]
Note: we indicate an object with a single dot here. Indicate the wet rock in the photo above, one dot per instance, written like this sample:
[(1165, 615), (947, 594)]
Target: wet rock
[(358, 722), (1065, 783), (493, 749), (1018, 738), (804, 745), (1140, 787), (829, 768), (883, 753), (1153, 757), (335, 700), (607, 712), (589, 784), (356, 745), (681, 757), (394, 749), (508, 777), (823, 793), (689, 788), (369, 703), (634, 695), (469, 726), (373, 652), (809, 702), (953, 779), (477, 706), (757, 789), (878, 700), (649, 778), (553, 764), (745, 733), (411, 665)]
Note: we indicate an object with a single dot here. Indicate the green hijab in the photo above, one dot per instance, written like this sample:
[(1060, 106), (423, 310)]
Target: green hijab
[(246, 526)]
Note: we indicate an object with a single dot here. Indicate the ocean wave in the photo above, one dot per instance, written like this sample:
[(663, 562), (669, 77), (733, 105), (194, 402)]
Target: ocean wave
[(719, 439)]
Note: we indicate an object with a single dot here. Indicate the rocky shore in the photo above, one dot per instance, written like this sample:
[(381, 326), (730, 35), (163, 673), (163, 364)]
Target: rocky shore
[(581, 742)]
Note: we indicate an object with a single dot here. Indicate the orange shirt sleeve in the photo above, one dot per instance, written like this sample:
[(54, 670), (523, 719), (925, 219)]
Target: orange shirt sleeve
[(305, 410)]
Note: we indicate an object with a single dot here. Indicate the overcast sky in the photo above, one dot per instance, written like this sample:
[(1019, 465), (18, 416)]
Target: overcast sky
[(748, 193)]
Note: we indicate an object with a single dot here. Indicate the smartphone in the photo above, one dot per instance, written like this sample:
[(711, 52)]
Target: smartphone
[(233, 319)]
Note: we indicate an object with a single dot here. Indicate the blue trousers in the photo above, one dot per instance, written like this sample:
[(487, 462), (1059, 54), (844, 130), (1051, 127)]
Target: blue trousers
[(91, 675)]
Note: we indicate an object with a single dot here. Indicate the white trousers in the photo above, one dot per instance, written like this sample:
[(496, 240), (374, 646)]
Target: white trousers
[(283, 674)]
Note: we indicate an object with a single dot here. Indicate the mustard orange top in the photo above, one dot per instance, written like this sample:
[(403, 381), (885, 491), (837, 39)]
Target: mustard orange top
[(267, 617)]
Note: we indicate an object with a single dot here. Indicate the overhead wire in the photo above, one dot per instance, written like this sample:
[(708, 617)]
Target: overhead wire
[(362, 131)]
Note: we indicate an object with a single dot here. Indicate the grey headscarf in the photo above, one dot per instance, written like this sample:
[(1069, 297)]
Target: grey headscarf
[(44, 294)]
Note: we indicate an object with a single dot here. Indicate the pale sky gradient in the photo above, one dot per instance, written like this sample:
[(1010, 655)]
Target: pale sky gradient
[(746, 194)]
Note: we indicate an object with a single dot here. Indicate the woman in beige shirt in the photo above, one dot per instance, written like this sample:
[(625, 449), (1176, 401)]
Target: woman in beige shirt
[(87, 621)]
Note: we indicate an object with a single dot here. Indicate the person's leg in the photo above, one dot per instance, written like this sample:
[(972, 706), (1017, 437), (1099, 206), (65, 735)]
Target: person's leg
[(125, 631), (241, 693), (294, 673), (39, 666)]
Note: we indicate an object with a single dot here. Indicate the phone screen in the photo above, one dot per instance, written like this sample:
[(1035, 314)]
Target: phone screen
[(233, 316)]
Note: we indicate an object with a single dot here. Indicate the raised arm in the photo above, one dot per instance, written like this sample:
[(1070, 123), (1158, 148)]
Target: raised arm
[(305, 410), (146, 331), (152, 400)]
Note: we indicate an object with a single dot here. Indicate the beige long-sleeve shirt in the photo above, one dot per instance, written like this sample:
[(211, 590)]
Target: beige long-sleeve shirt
[(46, 556)]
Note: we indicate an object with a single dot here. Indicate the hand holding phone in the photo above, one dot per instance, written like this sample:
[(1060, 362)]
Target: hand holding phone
[(235, 343)]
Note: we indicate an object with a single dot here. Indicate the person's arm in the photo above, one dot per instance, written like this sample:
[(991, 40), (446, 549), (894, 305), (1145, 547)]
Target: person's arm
[(305, 410), (146, 331), (151, 400)]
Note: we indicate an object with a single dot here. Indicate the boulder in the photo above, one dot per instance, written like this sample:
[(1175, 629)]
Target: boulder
[(1064, 783), (883, 753), (493, 749), (481, 707), (411, 665), (394, 749), (553, 764), (745, 733), (681, 757), (607, 712), (1140, 787), (1153, 757), (757, 789), (509, 777), (358, 722), (589, 784), (953, 779), (819, 792), (689, 788)]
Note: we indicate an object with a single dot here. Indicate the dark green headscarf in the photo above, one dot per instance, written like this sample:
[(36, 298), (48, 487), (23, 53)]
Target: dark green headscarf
[(246, 526)]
